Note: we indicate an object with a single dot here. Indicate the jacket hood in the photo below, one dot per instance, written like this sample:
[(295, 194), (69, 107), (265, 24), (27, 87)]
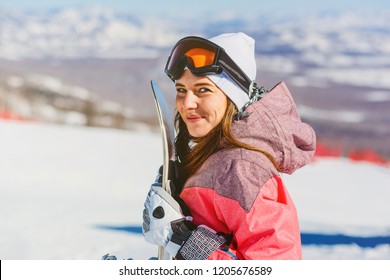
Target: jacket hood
[(275, 127)]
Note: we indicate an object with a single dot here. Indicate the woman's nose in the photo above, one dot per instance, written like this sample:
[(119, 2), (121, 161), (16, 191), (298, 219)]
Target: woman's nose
[(190, 101)]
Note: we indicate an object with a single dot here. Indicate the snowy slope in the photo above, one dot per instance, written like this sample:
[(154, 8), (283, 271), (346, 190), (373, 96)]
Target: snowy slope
[(59, 184), (77, 193)]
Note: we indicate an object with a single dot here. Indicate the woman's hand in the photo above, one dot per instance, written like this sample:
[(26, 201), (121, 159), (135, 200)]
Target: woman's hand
[(162, 217)]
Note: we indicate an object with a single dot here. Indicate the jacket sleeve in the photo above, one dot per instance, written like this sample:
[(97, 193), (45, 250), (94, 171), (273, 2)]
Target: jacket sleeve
[(262, 219), (250, 202)]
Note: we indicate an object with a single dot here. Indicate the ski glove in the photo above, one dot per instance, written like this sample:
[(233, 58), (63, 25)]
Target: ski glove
[(161, 217), (164, 224)]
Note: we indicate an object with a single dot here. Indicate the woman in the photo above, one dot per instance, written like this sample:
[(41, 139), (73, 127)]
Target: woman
[(234, 139)]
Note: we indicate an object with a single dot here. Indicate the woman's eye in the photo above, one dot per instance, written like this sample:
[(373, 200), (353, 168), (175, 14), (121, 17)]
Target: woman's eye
[(180, 90), (203, 90)]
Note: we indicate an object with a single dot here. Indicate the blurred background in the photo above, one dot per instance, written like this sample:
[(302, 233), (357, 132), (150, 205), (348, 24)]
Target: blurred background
[(90, 62), (77, 117)]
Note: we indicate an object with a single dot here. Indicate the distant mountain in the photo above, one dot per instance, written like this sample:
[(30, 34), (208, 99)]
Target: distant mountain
[(75, 33), (327, 39)]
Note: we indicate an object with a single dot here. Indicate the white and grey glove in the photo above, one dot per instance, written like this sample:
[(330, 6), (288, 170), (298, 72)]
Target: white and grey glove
[(164, 224), (162, 217)]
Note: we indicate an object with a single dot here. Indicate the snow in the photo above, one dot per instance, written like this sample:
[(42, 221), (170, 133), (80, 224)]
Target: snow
[(77, 193), (73, 33), (343, 197), (59, 184), (54, 85), (367, 77), (95, 31), (377, 96), (331, 115)]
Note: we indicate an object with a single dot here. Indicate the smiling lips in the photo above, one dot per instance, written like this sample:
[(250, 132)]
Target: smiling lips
[(193, 118)]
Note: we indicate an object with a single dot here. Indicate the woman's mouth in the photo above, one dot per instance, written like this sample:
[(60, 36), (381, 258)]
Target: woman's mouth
[(193, 118)]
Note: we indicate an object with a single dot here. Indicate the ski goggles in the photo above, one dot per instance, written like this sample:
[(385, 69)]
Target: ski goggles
[(202, 58)]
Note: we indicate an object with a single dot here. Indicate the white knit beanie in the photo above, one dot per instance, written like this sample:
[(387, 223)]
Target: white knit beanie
[(241, 48)]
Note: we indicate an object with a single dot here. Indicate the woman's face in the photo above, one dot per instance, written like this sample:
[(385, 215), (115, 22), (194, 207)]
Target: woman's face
[(200, 103)]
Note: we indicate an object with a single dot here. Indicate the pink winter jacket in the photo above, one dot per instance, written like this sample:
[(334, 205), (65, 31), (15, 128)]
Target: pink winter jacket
[(240, 192)]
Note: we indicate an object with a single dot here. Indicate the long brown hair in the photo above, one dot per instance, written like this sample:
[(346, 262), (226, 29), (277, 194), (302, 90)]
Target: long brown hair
[(192, 156)]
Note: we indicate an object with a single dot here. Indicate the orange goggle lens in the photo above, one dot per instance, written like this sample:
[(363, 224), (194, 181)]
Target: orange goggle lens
[(200, 57)]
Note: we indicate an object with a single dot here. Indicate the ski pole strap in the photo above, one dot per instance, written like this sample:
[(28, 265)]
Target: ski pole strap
[(201, 243)]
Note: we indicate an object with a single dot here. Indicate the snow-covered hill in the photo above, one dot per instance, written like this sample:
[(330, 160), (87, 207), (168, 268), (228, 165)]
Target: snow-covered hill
[(77, 193), (337, 64), (101, 32), (75, 33), (349, 48)]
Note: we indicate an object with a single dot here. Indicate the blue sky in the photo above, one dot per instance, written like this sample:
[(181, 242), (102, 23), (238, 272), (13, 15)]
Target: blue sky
[(193, 7)]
